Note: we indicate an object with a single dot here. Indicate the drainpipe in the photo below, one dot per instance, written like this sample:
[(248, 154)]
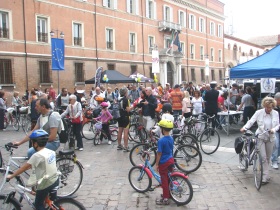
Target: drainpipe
[(143, 47), (95, 31), (25, 51)]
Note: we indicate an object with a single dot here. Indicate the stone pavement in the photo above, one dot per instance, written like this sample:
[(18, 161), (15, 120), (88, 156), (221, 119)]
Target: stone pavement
[(218, 183)]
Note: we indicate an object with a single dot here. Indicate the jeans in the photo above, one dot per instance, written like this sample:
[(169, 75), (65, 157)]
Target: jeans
[(50, 145), (176, 113), (247, 113), (276, 149), (77, 128), (105, 128)]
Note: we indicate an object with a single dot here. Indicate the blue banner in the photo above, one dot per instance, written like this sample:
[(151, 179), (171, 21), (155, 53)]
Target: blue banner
[(178, 43), (57, 54)]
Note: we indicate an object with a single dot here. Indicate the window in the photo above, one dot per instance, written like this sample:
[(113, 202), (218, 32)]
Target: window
[(151, 43), (213, 74), (192, 22), (110, 3), (151, 9), (183, 76), (132, 6), (4, 25), (110, 66), (79, 72), (212, 28), (212, 54), (109, 39), (182, 18), (132, 42), (193, 74), (234, 52), (201, 53), (192, 51), (167, 42), (77, 27), (202, 75), (168, 15), (220, 74), (6, 74), (251, 52), (45, 73), (201, 25), (42, 30), (220, 55), (220, 31), (133, 69), (182, 47)]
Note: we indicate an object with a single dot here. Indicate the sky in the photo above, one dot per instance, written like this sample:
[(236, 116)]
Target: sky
[(250, 18)]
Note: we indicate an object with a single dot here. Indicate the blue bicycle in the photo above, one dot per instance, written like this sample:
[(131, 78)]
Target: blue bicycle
[(180, 188)]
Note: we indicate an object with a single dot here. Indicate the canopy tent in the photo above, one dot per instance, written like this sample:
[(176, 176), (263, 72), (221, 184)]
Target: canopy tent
[(113, 76), (142, 78), (266, 65)]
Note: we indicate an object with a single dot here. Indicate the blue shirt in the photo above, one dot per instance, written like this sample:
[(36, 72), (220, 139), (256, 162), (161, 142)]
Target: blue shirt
[(165, 146)]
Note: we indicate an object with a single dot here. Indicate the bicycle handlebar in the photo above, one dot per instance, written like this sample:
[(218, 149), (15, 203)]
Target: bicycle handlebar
[(10, 145)]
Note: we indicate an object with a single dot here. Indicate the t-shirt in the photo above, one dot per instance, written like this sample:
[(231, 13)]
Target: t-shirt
[(44, 165), (233, 98), (165, 146), (247, 100), (197, 105), (221, 100), (177, 98), (167, 116)]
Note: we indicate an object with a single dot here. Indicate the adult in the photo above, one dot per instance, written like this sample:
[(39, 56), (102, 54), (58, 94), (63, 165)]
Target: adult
[(74, 110), (109, 95), (123, 121), (186, 104), (168, 88), (197, 103), (176, 98), (2, 109), (221, 102), (160, 90), (63, 100), (133, 94), (50, 122), (267, 120), (16, 101), (276, 148), (233, 93), (52, 93), (248, 104), (191, 89), (93, 101), (33, 96)]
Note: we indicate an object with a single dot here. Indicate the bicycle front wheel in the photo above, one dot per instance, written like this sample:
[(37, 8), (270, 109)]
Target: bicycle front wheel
[(88, 130), (96, 138), (15, 123), (180, 189), (139, 179), (258, 170), (68, 203), (114, 135), (12, 203), (26, 124), (133, 133), (137, 155), (71, 178), (209, 141), (187, 158)]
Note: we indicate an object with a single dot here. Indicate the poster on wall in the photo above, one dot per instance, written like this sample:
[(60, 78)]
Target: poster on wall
[(155, 61), (268, 85)]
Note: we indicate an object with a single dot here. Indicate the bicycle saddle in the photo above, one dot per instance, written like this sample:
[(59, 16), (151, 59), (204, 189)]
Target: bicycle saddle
[(66, 152)]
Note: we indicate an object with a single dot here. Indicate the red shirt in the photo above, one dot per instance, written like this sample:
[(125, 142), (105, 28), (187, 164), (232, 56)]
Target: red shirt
[(177, 98)]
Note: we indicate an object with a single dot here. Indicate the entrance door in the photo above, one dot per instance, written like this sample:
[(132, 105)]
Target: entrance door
[(170, 75)]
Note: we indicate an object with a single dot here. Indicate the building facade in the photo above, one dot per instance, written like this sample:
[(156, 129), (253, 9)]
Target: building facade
[(117, 35)]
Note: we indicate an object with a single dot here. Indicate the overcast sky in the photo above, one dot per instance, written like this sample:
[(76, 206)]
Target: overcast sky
[(250, 18)]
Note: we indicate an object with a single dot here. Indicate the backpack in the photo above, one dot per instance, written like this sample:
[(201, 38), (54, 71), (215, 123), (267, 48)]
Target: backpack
[(116, 109), (63, 135)]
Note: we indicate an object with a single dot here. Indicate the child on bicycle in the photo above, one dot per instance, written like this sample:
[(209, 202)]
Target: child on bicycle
[(164, 159), (43, 164), (105, 117)]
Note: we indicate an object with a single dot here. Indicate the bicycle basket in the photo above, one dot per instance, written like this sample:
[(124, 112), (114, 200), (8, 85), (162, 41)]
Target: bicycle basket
[(23, 110), (238, 145), (98, 125)]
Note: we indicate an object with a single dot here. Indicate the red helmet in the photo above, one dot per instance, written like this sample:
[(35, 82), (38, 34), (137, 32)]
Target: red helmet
[(104, 104)]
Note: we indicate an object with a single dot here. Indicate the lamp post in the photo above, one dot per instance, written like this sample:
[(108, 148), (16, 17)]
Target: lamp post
[(207, 68), (52, 33)]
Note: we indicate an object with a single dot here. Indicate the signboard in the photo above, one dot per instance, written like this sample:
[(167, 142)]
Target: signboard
[(268, 85), (155, 62)]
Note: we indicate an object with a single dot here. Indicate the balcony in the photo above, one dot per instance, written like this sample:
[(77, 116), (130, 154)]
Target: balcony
[(165, 25), (4, 33), (42, 37), (78, 41)]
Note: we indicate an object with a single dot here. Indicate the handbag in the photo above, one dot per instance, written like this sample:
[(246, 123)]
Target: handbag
[(75, 120)]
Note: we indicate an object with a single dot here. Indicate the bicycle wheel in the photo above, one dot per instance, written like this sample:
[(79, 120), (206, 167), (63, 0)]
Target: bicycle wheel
[(139, 179), (114, 135), (187, 158), (133, 133), (15, 123), (6, 123), (180, 189), (68, 203), (209, 141), (137, 155), (26, 124), (258, 170), (12, 203), (71, 178), (243, 161), (96, 138), (143, 134), (190, 139), (88, 130)]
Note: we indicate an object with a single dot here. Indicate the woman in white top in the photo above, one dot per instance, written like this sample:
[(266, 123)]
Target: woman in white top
[(197, 103), (267, 119), (186, 104)]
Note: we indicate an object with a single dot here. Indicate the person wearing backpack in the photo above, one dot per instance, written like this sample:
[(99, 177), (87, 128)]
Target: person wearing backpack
[(50, 122)]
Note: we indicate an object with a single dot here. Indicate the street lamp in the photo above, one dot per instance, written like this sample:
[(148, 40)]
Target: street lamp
[(52, 33)]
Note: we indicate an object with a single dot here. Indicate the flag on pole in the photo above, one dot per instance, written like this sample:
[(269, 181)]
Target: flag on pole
[(98, 76), (172, 39), (178, 43), (57, 54)]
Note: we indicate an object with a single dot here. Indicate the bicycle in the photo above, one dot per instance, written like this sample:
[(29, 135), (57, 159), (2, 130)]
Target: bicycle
[(11, 119), (24, 119), (71, 170), (250, 155), (98, 131), (137, 132), (180, 188)]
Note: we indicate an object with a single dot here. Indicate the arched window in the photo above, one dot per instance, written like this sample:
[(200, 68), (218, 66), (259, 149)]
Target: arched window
[(234, 52), (243, 54), (258, 53), (251, 52)]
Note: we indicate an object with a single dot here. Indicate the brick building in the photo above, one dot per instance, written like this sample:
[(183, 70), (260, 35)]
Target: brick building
[(115, 34)]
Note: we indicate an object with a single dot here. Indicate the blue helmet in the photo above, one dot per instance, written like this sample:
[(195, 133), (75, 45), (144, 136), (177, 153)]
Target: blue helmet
[(39, 136)]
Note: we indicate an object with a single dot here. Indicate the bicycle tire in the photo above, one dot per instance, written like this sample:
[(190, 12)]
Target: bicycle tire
[(187, 158), (71, 176), (143, 134), (190, 140), (243, 161), (180, 189), (133, 134), (68, 203), (11, 204), (258, 167), (136, 154), (114, 135), (96, 138), (26, 124), (209, 141), (6, 123), (88, 130), (138, 177), (15, 123)]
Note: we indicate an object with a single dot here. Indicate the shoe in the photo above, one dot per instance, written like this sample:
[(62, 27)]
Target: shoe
[(77, 148), (99, 142), (242, 168), (126, 149), (264, 182), (109, 142), (274, 165), (120, 147), (162, 201), (81, 149)]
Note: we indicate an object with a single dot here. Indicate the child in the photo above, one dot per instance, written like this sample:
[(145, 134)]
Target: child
[(43, 163), (105, 117), (164, 159)]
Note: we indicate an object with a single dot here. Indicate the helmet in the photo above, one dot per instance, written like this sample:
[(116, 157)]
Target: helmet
[(40, 136), (167, 107), (104, 104), (98, 98), (166, 124)]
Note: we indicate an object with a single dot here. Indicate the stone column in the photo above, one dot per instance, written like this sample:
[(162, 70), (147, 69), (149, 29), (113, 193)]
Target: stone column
[(163, 73)]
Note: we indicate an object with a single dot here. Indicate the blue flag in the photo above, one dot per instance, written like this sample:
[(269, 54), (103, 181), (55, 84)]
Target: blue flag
[(177, 42), (57, 54)]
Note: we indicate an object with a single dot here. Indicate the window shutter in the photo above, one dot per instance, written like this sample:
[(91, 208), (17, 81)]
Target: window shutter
[(137, 7), (171, 14), (147, 8), (155, 10), (128, 6), (115, 4), (105, 3)]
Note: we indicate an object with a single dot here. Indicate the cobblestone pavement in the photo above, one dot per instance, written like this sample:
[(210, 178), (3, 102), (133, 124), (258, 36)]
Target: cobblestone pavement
[(218, 183)]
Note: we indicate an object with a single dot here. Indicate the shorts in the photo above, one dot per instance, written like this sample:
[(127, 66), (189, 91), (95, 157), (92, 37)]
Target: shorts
[(123, 121)]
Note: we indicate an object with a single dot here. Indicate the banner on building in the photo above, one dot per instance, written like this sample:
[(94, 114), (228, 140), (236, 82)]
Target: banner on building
[(98, 76), (268, 85), (155, 61), (57, 54)]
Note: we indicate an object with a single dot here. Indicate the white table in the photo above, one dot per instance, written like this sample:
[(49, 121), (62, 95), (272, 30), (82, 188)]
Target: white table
[(227, 114)]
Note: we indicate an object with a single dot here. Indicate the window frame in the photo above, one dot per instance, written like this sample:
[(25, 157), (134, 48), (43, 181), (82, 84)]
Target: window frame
[(111, 41), (8, 24), (45, 77), (47, 28), (201, 49), (151, 47), (192, 22), (79, 70), (131, 48), (212, 28), (80, 39), (167, 17), (7, 66), (180, 12), (220, 55), (220, 31), (192, 51), (212, 54), (202, 25)]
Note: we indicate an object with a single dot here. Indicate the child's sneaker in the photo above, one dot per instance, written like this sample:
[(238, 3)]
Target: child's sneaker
[(162, 201), (126, 149), (120, 147), (109, 142)]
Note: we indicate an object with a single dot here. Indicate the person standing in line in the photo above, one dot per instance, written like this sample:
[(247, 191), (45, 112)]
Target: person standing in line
[(2, 109), (268, 120), (276, 148)]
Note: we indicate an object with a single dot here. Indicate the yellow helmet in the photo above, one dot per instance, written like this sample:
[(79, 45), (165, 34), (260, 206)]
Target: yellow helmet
[(166, 124)]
